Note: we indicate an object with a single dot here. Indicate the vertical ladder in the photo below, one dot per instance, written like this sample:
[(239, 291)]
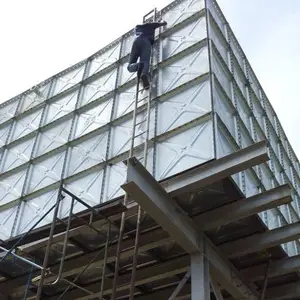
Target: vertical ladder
[(145, 146)]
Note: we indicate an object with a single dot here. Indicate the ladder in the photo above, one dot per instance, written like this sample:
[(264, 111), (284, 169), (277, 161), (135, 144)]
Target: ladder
[(145, 144)]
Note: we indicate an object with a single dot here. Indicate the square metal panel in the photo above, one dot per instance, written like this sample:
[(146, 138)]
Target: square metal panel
[(34, 98), (35, 209), (87, 188), (105, 59), (184, 38), (53, 138), (17, 155), (4, 131), (68, 80), (88, 153), (11, 187), (26, 125), (7, 219), (94, 118), (182, 11), (99, 87), (184, 107), (185, 150), (184, 70), (45, 172), (61, 107), (8, 111)]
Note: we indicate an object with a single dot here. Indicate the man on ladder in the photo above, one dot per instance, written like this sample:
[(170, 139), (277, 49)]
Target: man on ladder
[(141, 48)]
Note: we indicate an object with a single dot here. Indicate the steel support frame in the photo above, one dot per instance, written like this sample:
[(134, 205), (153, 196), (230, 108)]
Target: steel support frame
[(145, 190)]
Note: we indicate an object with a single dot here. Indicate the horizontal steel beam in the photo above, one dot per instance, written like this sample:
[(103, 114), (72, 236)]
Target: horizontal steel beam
[(217, 170), (244, 208), (284, 292), (147, 274), (261, 241), (145, 190), (276, 268)]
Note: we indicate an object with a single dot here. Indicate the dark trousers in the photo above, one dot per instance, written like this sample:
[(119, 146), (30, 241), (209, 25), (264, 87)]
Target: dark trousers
[(141, 49)]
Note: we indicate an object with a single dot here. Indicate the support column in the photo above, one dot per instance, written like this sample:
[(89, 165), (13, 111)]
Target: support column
[(200, 277)]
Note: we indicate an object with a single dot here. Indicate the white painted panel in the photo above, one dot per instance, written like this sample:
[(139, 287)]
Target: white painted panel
[(87, 154), (254, 84), (182, 11), (127, 43), (7, 219), (26, 125), (185, 150), (61, 107), (266, 176), (125, 101), (115, 177), (53, 138), (184, 70), (184, 107), (17, 155), (68, 80), (252, 184), (11, 187), (244, 110), (240, 79), (34, 98), (219, 41), (87, 188), (45, 172), (211, 5), (8, 111), (224, 109), (105, 59), (273, 139), (222, 74), (99, 87), (184, 38), (4, 134), (236, 51), (94, 118), (258, 111), (124, 75), (35, 209)]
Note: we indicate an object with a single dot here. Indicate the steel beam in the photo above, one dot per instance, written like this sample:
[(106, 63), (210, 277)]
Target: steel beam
[(200, 276), (216, 289), (244, 208), (261, 241), (277, 268), (148, 274), (284, 292), (145, 190), (217, 170)]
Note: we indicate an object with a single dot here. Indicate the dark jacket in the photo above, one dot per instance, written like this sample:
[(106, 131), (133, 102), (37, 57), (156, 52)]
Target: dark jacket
[(147, 30)]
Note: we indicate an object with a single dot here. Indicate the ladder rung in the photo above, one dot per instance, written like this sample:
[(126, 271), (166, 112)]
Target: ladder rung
[(141, 122), (140, 133)]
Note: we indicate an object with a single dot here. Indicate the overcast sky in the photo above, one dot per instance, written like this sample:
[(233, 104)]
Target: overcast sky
[(42, 37)]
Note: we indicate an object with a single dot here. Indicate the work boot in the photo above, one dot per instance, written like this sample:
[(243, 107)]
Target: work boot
[(145, 81)]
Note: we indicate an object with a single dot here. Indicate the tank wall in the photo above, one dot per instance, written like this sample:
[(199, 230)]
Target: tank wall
[(244, 115), (75, 127)]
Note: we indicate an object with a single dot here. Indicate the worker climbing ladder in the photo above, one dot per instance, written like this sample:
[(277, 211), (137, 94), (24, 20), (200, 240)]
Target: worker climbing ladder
[(144, 145)]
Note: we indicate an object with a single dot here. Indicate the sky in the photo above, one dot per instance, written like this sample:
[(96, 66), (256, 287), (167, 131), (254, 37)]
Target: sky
[(42, 37)]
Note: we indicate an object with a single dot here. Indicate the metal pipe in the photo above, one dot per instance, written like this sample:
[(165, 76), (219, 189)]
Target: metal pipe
[(22, 258), (61, 266), (263, 292), (105, 262), (27, 233), (46, 258), (135, 253)]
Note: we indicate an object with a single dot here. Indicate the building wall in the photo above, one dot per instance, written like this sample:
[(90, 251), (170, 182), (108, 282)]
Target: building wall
[(243, 116), (75, 127)]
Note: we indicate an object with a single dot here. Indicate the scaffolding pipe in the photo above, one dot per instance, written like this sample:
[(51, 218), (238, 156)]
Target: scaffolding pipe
[(21, 258), (105, 262), (27, 233), (46, 258), (61, 266)]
